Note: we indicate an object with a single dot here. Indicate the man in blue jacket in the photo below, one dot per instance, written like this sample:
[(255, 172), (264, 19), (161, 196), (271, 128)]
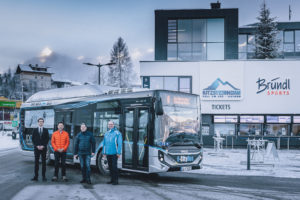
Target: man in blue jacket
[(85, 148), (112, 149)]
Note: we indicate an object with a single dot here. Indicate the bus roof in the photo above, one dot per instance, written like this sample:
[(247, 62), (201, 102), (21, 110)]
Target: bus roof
[(70, 92), (89, 93)]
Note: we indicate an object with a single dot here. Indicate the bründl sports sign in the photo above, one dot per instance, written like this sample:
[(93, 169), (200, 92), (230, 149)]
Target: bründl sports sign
[(222, 83), (275, 86)]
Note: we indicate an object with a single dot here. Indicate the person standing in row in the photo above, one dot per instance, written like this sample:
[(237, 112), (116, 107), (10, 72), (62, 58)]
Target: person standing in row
[(60, 142), (40, 139), (112, 149), (85, 149)]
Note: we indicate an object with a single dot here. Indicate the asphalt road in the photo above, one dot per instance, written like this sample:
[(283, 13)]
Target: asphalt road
[(16, 172)]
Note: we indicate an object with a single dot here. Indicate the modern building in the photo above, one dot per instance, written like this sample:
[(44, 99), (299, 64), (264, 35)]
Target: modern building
[(9, 113), (239, 99), (200, 34), (288, 34), (31, 79), (197, 51)]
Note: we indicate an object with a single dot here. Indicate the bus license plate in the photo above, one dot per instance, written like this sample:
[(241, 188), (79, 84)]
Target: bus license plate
[(186, 168)]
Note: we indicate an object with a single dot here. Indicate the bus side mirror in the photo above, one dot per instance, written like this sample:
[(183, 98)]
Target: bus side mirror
[(158, 107)]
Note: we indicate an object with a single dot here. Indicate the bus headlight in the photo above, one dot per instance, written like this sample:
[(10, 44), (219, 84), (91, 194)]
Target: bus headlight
[(161, 156)]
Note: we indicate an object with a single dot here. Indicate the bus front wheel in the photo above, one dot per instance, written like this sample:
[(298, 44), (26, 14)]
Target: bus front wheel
[(102, 164)]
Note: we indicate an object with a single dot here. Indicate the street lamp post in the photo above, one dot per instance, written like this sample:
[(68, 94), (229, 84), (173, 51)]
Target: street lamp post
[(99, 66)]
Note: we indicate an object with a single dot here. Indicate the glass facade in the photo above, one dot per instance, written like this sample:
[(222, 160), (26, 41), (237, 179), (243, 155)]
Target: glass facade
[(250, 129), (296, 130), (224, 129), (175, 83), (276, 130), (246, 46), (254, 125), (196, 39), (289, 44), (297, 41)]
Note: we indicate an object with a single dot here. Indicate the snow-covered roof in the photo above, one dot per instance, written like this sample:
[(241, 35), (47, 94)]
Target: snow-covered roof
[(27, 68), (70, 92)]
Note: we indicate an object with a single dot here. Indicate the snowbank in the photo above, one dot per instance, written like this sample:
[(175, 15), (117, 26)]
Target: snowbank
[(228, 162), (6, 142)]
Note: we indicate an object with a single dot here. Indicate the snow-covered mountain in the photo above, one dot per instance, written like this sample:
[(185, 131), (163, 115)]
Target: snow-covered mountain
[(65, 68)]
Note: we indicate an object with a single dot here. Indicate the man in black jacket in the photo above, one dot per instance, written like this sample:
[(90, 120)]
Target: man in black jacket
[(85, 148), (40, 139)]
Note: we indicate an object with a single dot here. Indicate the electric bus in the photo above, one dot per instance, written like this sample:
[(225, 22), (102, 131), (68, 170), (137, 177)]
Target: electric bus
[(160, 128)]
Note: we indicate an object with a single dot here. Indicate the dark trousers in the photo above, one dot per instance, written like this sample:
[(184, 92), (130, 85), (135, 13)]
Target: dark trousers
[(85, 164), (113, 168), (37, 154), (60, 159)]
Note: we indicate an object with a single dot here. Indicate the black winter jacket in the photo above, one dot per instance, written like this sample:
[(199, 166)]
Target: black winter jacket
[(85, 143)]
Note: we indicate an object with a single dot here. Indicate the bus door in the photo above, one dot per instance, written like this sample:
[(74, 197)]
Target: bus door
[(67, 118), (135, 138)]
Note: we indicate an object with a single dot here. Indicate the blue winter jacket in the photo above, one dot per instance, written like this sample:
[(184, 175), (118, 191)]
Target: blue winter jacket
[(85, 143), (112, 142)]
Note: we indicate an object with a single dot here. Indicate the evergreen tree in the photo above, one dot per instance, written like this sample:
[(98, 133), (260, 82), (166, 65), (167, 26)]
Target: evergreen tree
[(121, 74), (266, 42)]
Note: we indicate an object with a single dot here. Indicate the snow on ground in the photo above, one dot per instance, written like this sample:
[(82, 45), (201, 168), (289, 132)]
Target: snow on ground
[(6, 142), (228, 162), (145, 192), (225, 162)]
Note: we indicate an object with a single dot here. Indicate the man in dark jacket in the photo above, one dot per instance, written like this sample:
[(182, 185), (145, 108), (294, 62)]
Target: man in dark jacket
[(40, 139), (85, 149)]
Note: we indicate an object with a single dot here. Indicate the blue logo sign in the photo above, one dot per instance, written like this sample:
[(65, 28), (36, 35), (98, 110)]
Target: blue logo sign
[(221, 90)]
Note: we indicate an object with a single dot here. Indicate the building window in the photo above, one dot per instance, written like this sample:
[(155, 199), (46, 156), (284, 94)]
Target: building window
[(242, 46), (156, 83), (246, 46), (215, 51), (276, 130), (172, 51), (250, 129), (175, 83), (251, 43), (224, 129), (171, 83), (172, 31), (185, 31), (297, 41), (288, 44), (296, 130), (185, 84), (215, 30), (185, 51), (196, 39), (280, 38)]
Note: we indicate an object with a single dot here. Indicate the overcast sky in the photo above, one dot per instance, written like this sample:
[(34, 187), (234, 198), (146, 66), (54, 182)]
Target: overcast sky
[(87, 29)]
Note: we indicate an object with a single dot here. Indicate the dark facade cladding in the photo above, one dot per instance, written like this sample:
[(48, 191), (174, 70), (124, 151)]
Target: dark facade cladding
[(230, 17)]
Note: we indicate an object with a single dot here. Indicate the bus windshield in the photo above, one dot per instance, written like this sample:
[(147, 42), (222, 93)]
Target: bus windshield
[(180, 124)]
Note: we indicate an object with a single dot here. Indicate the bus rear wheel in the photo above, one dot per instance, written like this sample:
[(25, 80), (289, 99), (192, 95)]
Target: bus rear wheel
[(102, 164)]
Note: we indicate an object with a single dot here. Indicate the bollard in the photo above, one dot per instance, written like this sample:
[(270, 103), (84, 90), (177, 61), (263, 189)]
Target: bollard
[(248, 157)]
